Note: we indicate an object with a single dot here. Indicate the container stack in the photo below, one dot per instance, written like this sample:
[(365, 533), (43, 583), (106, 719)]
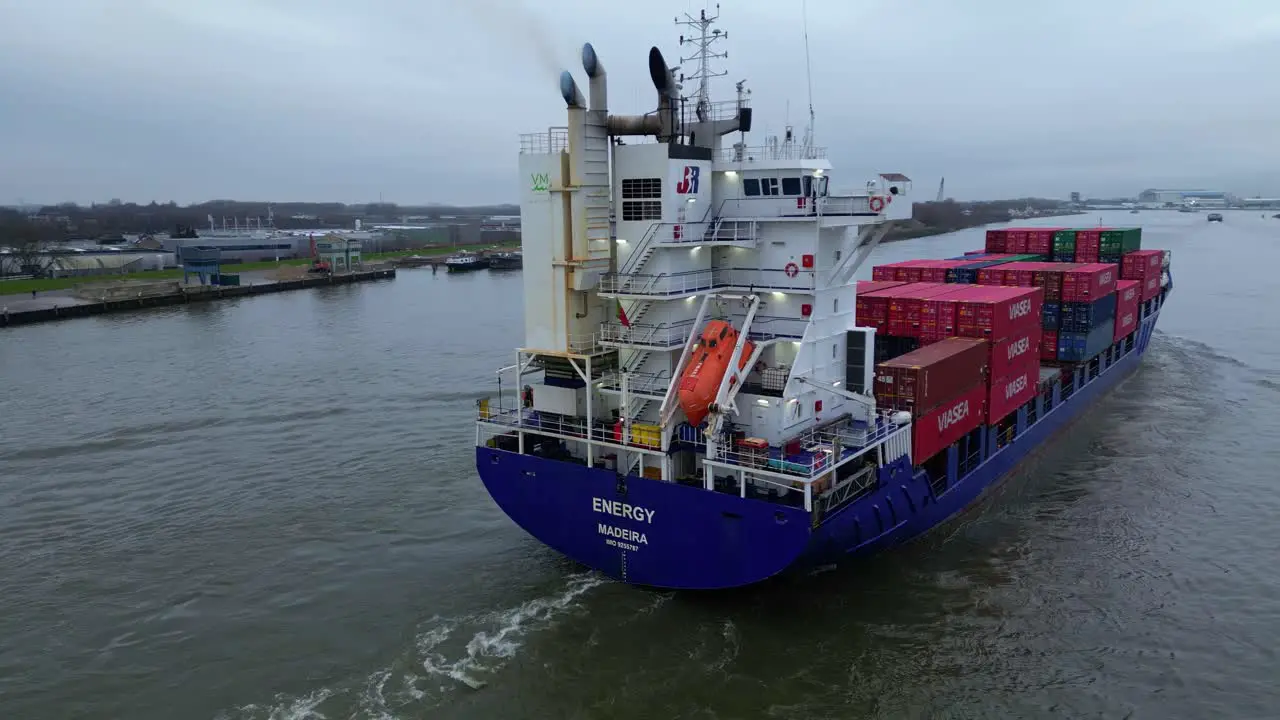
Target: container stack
[(1031, 296), (943, 386)]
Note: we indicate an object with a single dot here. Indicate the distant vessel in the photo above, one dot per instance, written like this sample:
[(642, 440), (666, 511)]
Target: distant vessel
[(465, 261), (704, 398), (1214, 217), (506, 261)]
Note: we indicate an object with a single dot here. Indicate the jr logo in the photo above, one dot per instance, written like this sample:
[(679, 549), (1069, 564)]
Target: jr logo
[(688, 185), (541, 182)]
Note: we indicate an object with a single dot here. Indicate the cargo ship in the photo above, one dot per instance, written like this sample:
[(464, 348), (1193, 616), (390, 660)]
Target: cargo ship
[(705, 396)]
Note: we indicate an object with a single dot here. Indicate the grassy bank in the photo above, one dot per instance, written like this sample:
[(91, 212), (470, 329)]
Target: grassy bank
[(25, 287)]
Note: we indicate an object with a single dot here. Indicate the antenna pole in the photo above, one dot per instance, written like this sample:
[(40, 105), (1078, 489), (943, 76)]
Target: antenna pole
[(808, 71), (703, 41)]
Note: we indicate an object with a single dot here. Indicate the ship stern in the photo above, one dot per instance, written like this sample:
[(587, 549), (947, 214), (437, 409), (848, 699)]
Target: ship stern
[(643, 531)]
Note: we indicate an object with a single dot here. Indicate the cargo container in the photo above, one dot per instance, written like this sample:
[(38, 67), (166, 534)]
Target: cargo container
[(937, 270), (1040, 240), (1022, 274), (1049, 345), (1150, 287), (1016, 349), (1079, 347), (932, 375), (1089, 281), (889, 271), (866, 286), (1085, 316), (936, 429), (1051, 315), (1015, 240), (993, 275), (1049, 277), (1088, 243), (1128, 298), (996, 241), (1013, 389), (1064, 245), (906, 302), (1115, 242), (938, 315), (1136, 265), (871, 307), (994, 313)]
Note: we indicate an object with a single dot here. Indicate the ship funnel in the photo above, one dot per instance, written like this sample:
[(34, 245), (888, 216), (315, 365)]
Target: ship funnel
[(661, 76), (597, 81), (570, 92)]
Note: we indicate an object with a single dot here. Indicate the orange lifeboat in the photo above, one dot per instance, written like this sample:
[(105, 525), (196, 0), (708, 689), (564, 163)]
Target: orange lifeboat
[(701, 378)]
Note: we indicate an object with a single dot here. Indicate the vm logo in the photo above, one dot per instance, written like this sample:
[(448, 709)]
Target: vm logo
[(541, 182), (688, 184)]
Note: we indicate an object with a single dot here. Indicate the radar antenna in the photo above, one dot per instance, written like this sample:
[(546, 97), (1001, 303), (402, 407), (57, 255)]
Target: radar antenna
[(704, 39)]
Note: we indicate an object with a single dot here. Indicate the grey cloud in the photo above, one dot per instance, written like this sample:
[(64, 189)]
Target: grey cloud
[(423, 101)]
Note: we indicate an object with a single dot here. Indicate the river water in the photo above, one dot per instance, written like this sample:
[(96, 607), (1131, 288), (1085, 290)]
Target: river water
[(267, 509)]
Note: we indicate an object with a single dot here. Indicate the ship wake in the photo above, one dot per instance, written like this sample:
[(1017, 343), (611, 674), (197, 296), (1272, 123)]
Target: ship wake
[(448, 654)]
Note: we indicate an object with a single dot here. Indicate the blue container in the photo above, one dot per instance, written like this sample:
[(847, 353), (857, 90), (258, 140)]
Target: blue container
[(1079, 347), (1083, 317), (1051, 315), (968, 274)]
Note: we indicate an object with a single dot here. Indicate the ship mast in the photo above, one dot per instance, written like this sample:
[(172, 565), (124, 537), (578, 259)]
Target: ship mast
[(703, 40)]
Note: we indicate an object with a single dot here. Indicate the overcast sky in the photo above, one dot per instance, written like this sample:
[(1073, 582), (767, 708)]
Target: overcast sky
[(423, 100)]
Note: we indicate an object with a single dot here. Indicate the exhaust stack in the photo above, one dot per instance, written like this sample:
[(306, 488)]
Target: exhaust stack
[(570, 92), (597, 79)]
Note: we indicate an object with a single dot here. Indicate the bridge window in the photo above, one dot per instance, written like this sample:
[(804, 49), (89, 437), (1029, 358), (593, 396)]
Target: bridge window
[(791, 186), (768, 186), (808, 186), (751, 187)]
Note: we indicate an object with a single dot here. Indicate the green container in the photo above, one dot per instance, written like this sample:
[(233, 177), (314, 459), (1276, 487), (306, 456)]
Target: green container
[(1064, 246), (225, 279), (1123, 240)]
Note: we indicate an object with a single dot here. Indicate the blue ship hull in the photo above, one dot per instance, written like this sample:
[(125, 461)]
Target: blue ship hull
[(663, 534)]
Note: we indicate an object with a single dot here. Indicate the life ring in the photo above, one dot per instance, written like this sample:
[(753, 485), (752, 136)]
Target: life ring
[(877, 203), (791, 270)]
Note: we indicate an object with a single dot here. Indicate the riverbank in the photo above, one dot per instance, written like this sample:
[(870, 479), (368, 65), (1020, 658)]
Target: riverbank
[(116, 297), (912, 229), (26, 287)]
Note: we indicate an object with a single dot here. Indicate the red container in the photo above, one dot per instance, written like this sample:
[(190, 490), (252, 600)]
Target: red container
[(1010, 353), (1088, 282), (991, 275), (931, 375), (905, 309), (995, 241), (868, 286), (994, 313), (1137, 264), (938, 314), (1011, 390), (1151, 287), (1088, 244), (1022, 274), (890, 271), (871, 308), (937, 428), (1128, 298), (1049, 277), (936, 270), (1015, 240), (1040, 240), (1048, 344)]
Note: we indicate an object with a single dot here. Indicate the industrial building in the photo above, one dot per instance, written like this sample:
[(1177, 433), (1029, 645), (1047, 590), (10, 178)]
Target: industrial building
[(1200, 198)]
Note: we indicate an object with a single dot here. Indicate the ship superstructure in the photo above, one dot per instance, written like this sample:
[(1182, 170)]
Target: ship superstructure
[(692, 406)]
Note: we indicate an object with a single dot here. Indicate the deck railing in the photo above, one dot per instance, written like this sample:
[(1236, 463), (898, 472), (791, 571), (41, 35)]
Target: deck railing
[(695, 281)]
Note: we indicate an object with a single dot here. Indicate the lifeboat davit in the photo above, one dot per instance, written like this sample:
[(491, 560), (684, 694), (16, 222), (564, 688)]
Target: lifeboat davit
[(701, 378)]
